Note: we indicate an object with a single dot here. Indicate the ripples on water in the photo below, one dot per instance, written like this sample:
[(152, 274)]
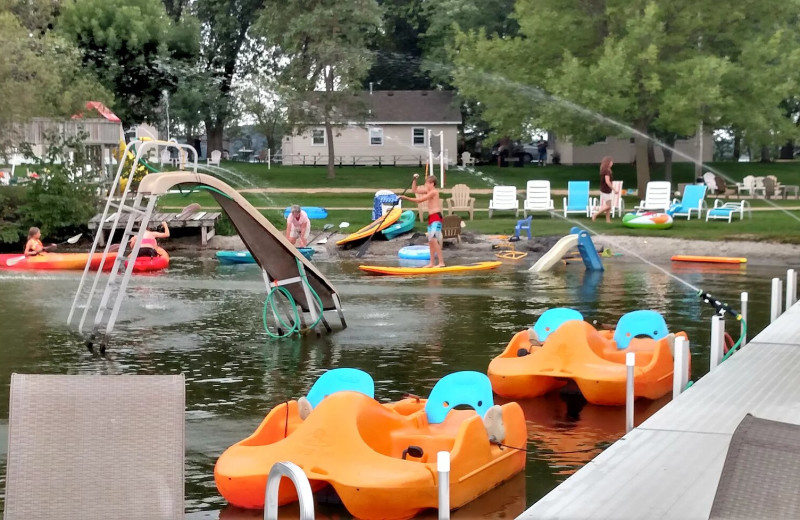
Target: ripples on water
[(204, 321)]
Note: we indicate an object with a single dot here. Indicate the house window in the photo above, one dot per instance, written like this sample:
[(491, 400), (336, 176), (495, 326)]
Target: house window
[(376, 136), (418, 136), (318, 137)]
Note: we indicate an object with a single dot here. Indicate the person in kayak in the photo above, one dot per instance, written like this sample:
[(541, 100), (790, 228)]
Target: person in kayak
[(34, 245), (428, 193), (298, 226), (149, 243)]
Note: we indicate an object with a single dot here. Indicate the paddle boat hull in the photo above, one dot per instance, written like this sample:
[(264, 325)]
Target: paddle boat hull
[(577, 352), (403, 225), (647, 220), (362, 449)]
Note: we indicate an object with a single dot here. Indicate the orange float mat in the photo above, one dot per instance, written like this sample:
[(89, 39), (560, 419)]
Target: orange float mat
[(380, 459), (576, 351), (376, 226), (709, 259)]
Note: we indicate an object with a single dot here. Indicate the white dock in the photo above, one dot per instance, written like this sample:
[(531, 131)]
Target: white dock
[(670, 465)]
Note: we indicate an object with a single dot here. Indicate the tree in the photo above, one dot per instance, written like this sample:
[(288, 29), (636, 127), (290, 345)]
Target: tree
[(322, 42), (638, 67), (260, 101), (133, 48)]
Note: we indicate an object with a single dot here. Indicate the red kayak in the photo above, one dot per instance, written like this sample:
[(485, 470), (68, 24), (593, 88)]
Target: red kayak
[(77, 261)]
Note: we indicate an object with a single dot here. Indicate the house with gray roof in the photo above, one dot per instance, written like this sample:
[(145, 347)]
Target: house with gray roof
[(387, 127)]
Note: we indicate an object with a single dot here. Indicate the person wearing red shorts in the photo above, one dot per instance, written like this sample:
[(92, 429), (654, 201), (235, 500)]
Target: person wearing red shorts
[(428, 193)]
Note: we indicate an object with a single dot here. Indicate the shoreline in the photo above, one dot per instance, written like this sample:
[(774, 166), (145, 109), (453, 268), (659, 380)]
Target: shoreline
[(476, 247)]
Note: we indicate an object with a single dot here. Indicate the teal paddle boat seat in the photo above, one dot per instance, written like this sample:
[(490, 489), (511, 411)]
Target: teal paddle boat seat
[(551, 319), (639, 323), (336, 380), (459, 388)]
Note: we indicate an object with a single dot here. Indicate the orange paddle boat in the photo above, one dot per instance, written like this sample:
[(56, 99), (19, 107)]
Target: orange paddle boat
[(380, 458), (562, 347)]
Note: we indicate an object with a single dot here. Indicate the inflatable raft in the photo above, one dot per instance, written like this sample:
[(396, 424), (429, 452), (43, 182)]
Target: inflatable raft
[(380, 459), (403, 225), (648, 220), (416, 271), (77, 261), (376, 226), (415, 253), (313, 212), (572, 350)]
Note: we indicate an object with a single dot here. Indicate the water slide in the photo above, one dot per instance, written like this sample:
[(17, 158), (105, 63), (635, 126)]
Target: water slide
[(269, 247), (577, 237)]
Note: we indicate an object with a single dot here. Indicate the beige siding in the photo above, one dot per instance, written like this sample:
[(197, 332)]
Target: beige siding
[(352, 145), (624, 151)]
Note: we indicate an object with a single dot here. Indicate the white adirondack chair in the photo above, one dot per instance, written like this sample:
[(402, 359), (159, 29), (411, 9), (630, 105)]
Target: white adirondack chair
[(617, 202), (504, 198), (467, 159), (657, 197), (537, 198), (214, 158)]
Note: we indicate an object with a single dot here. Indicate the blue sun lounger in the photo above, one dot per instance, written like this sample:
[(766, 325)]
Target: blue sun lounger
[(725, 211)]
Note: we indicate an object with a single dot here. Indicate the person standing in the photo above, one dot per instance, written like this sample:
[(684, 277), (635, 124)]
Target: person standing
[(606, 189), (541, 147), (298, 226), (430, 194)]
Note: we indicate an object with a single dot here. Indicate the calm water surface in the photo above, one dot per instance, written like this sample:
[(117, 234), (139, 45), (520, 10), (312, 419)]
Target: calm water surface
[(204, 320)]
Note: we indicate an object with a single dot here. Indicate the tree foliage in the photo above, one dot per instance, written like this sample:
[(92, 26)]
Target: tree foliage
[(133, 48), (322, 42), (589, 69)]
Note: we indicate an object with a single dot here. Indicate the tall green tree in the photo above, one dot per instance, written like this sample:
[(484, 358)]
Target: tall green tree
[(133, 48), (322, 43), (637, 67)]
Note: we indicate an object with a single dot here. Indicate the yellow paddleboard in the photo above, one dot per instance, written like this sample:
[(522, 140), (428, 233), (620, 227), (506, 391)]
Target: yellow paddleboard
[(410, 271), (376, 227)]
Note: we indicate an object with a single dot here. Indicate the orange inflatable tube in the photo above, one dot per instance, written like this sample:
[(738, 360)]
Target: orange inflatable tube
[(577, 352), (709, 259), (379, 458)]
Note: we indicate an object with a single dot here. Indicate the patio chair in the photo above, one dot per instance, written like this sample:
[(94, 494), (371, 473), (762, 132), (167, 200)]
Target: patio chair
[(617, 202), (577, 199), (451, 228), (748, 184), (467, 159), (772, 188), (504, 198), (693, 200), (95, 446), (657, 197), (422, 208), (460, 200), (165, 157), (537, 198), (523, 225), (214, 158), (758, 186), (726, 210)]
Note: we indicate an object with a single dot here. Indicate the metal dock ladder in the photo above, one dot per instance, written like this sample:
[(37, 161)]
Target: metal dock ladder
[(134, 209)]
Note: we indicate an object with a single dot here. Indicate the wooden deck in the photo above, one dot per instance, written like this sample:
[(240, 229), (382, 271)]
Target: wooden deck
[(205, 220), (670, 466)]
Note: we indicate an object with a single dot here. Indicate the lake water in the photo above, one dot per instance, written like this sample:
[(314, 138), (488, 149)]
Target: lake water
[(204, 320)]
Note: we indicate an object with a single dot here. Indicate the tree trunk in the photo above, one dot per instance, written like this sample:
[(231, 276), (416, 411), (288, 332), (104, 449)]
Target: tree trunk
[(787, 150), (651, 153), (329, 125), (737, 146), (765, 154), (642, 166), (214, 131), (667, 163)]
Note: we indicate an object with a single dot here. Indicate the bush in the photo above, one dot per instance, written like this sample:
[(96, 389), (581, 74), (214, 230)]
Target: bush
[(12, 230)]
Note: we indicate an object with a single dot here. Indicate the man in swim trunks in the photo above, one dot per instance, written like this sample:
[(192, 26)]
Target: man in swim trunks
[(428, 193)]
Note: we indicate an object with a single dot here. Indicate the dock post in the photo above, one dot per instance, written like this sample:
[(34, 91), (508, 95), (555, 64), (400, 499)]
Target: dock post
[(744, 319), (680, 372), (717, 341), (443, 466), (630, 362), (791, 288), (775, 307)]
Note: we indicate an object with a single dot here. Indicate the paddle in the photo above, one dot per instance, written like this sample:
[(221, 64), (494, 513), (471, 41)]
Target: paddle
[(363, 249), (324, 240), (17, 259), (325, 228)]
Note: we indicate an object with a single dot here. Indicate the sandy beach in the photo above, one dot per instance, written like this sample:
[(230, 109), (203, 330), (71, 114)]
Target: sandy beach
[(476, 247)]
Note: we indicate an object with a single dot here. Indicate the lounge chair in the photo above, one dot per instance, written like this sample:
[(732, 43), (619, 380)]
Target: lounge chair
[(657, 197), (451, 228), (693, 200), (504, 198), (537, 198), (726, 210), (577, 199), (460, 200)]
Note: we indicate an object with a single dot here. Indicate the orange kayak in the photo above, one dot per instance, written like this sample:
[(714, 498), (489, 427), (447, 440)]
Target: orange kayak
[(77, 261), (381, 458), (594, 360)]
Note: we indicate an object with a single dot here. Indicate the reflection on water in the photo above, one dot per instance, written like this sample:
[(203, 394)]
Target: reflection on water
[(204, 321)]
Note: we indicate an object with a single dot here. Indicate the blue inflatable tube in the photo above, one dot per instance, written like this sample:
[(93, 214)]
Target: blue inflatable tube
[(415, 253), (312, 212)]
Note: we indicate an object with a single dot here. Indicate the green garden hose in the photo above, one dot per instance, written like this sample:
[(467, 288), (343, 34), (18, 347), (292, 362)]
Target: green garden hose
[(269, 304)]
